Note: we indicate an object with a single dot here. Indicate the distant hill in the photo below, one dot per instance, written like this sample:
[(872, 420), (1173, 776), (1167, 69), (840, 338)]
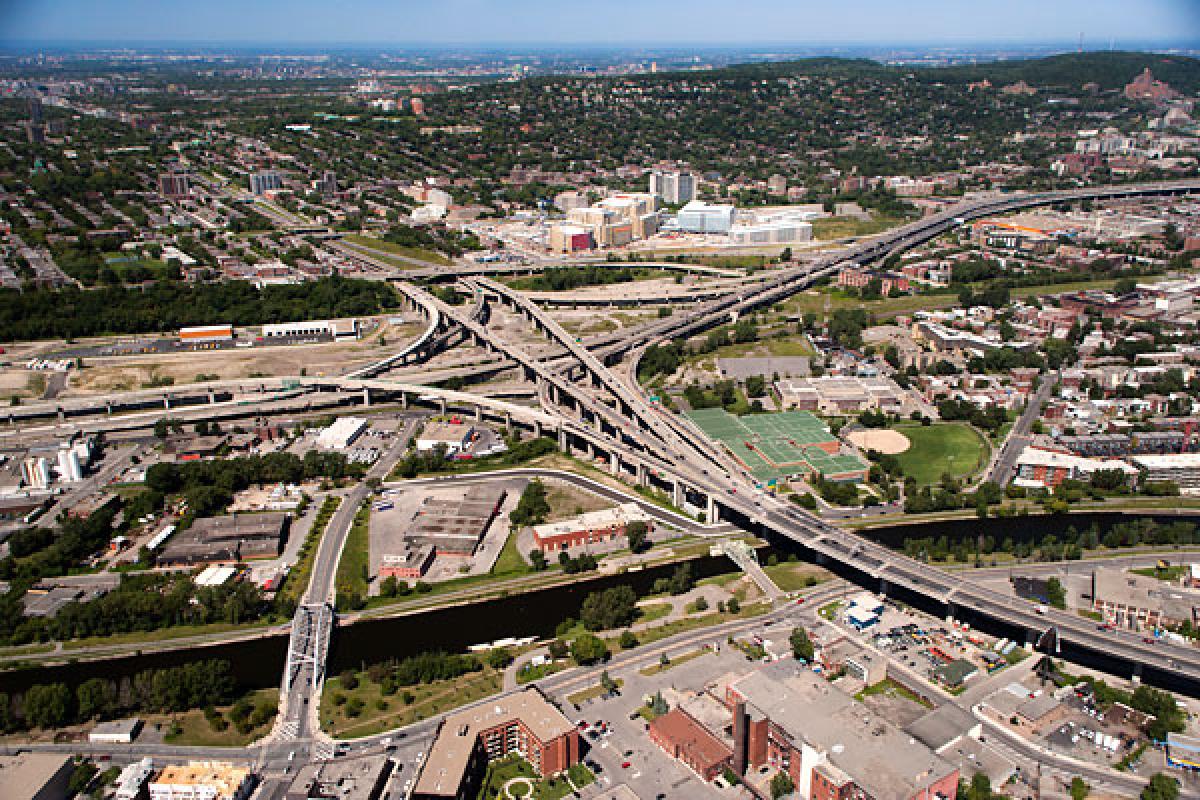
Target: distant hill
[(1111, 70)]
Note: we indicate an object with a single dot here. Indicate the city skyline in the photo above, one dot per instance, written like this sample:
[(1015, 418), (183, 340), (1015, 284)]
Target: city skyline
[(537, 22)]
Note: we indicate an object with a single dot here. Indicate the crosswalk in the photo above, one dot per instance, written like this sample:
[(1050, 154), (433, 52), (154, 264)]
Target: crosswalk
[(289, 729)]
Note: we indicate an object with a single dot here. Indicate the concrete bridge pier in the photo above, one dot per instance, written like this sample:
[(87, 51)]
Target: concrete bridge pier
[(537, 429), (563, 444), (62, 414), (167, 402), (883, 585), (212, 397), (614, 464), (643, 475), (479, 413), (508, 423), (1136, 677), (366, 396), (442, 406), (589, 450), (404, 400), (677, 494), (711, 514), (950, 614), (108, 407)]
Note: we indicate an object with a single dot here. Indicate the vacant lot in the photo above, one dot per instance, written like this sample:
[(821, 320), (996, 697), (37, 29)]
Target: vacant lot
[(419, 254), (952, 447)]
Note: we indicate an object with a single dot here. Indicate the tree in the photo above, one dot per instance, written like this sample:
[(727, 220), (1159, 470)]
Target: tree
[(802, 646), (733, 606), (557, 649), (1079, 788), (636, 532), (499, 657), (611, 608), (587, 648), (532, 508), (1161, 787), (628, 640), (389, 586), (538, 559), (95, 697), (782, 784), (1055, 594), (608, 684), (756, 386), (48, 705)]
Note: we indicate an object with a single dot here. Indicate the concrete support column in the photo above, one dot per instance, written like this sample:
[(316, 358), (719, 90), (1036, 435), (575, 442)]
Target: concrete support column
[(479, 413), (366, 393), (589, 449), (537, 428), (508, 423), (614, 464), (442, 406), (62, 415), (950, 613), (108, 407), (677, 494), (711, 514), (642, 475), (212, 397), (562, 440), (167, 402), (404, 400)]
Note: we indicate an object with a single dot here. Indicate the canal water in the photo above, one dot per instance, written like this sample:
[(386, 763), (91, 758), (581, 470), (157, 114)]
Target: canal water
[(258, 663)]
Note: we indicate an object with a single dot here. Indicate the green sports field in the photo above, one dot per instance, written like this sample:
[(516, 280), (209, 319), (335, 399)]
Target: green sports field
[(953, 447)]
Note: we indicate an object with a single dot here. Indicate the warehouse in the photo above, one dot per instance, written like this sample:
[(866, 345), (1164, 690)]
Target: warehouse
[(342, 433), (229, 539), (454, 437), (594, 527), (455, 527)]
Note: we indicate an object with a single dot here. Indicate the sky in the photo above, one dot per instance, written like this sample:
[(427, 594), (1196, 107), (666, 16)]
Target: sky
[(613, 22)]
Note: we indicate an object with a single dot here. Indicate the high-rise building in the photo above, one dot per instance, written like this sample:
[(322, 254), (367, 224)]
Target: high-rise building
[(36, 472), (673, 187), (264, 181), (174, 185), (35, 132), (35, 110), (328, 184), (418, 106)]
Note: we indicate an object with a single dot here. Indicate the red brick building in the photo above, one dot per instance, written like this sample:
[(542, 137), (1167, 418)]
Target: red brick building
[(592, 528), (678, 733), (525, 724)]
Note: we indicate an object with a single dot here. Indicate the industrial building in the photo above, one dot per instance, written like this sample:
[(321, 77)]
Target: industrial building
[(455, 527), (409, 564), (117, 731), (342, 433), (684, 738), (468, 740), (334, 329), (593, 528), (228, 539), (453, 436), (35, 776)]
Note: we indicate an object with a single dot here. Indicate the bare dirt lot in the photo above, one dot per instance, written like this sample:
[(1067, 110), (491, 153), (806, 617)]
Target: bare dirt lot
[(881, 441), (122, 373)]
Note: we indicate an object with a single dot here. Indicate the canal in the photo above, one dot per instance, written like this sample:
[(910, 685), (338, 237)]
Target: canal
[(258, 663)]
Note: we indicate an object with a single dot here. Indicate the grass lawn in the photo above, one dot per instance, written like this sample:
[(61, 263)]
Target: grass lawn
[(652, 611), (353, 568), (196, 731), (590, 693), (791, 577), (553, 788), (1171, 573), (398, 250), (953, 447), (366, 710), (890, 688), (829, 610), (843, 227), (530, 673), (654, 669)]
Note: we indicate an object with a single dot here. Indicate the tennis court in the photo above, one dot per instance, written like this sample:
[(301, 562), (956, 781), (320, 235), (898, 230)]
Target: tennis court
[(777, 445)]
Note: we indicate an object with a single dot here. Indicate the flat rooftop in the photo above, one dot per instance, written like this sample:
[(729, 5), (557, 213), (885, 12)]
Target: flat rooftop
[(451, 751)]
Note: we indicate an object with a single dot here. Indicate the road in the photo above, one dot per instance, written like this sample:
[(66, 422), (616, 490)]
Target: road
[(1006, 460)]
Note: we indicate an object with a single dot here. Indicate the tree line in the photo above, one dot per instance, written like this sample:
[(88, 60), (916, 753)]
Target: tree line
[(182, 688), (69, 313)]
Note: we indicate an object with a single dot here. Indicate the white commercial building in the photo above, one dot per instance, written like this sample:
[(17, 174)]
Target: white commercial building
[(781, 232), (132, 779), (36, 472), (700, 217), (118, 731), (454, 437), (338, 329), (341, 434)]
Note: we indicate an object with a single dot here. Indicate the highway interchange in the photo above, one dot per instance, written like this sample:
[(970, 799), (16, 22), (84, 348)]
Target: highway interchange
[(603, 413)]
